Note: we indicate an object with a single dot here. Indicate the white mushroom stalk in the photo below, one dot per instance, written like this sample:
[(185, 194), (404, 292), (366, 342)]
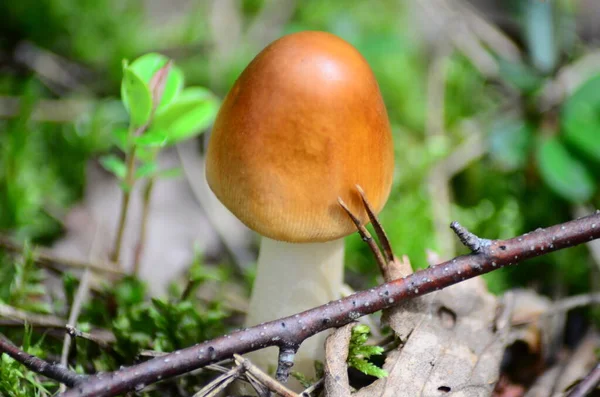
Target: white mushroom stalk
[(291, 278)]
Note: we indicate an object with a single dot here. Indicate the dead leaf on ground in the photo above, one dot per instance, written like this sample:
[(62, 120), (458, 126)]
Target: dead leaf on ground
[(450, 345), (337, 383)]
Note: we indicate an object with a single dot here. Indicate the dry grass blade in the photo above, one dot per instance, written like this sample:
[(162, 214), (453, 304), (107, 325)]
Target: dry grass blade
[(366, 236), (318, 385), (220, 383), (263, 378), (381, 235), (34, 319), (43, 257)]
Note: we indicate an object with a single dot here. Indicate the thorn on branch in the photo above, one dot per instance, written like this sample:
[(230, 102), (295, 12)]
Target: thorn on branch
[(468, 239)]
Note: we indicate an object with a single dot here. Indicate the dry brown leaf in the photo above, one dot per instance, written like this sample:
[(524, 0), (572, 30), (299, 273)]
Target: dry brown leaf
[(450, 343), (336, 367), (542, 334), (582, 360)]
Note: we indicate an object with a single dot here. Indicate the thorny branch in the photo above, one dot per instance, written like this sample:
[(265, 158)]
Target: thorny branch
[(293, 330)]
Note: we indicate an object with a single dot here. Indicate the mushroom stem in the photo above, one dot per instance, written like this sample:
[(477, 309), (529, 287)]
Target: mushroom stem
[(291, 278)]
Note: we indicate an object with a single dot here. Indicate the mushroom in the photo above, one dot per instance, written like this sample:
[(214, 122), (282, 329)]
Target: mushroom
[(304, 124)]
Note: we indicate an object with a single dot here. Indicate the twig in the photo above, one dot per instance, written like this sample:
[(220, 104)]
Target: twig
[(102, 337), (43, 257), (487, 32), (567, 79), (290, 330), (588, 384), (48, 110), (460, 35), (58, 73), (265, 379), (285, 362), (220, 383), (144, 224), (347, 290), (472, 149), (314, 387), (467, 238), (82, 291), (78, 300), (129, 182), (37, 365), (102, 341), (42, 320)]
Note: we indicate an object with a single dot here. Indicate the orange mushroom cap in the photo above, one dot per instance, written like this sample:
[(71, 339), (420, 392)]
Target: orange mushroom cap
[(303, 124)]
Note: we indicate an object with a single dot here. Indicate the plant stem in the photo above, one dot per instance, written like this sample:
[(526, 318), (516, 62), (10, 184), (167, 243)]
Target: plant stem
[(144, 225), (129, 182)]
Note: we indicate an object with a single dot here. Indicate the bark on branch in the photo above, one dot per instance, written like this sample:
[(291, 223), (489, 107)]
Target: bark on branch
[(37, 365), (293, 330)]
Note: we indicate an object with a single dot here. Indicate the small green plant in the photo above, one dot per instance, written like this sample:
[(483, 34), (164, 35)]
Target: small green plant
[(307, 382), (162, 112), (22, 284), (16, 380), (359, 353)]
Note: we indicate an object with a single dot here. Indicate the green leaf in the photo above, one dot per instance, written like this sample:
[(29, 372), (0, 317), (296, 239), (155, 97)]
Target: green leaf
[(148, 64), (192, 112), (510, 141), (169, 173), (368, 368), (145, 154), (115, 165), (147, 169), (520, 75), (136, 97), (358, 352), (580, 117), (153, 138), (129, 292), (563, 173), (121, 138)]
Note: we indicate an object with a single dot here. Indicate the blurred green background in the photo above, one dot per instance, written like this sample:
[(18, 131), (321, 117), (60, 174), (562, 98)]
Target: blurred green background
[(490, 128), (495, 108)]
